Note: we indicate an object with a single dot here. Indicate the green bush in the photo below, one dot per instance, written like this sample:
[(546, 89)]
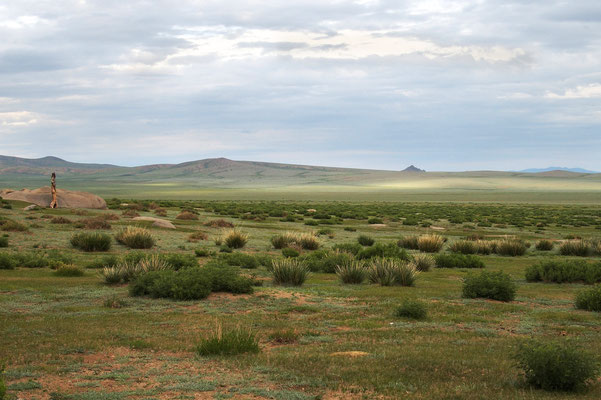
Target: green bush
[(106, 261), (38, 259), (564, 271), (179, 261), (7, 261), (325, 261), (580, 248), (352, 248), (290, 253), (430, 243), (408, 242), (203, 253), (3, 241), (511, 247), (289, 271), (589, 299), (544, 245), (389, 250), (9, 225), (412, 309), (458, 261), (91, 241), (555, 365), (375, 220), (238, 259), (489, 285), (135, 238), (187, 284), (391, 272), (228, 342), (351, 272), (225, 278), (2, 383), (365, 240), (68, 270)]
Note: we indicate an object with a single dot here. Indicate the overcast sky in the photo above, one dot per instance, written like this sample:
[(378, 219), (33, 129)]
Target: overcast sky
[(445, 85)]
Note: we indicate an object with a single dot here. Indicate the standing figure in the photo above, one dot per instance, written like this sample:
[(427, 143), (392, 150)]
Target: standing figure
[(54, 203)]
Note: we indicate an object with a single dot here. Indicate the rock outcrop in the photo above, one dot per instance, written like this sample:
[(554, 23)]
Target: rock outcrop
[(66, 198)]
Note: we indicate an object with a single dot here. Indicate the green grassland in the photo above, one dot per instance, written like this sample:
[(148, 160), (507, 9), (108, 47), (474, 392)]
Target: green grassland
[(59, 341)]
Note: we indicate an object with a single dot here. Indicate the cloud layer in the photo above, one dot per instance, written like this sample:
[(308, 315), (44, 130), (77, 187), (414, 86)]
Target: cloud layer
[(445, 85)]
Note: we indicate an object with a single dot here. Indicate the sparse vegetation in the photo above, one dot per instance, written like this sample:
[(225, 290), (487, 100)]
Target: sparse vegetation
[(458, 261), (228, 341), (91, 241), (68, 270)]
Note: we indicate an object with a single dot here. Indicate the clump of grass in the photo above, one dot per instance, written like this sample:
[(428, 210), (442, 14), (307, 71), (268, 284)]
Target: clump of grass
[(235, 239), (228, 342), (289, 252), (203, 253), (408, 242), (423, 262), (219, 223), (91, 241), (130, 213), (135, 237), (365, 240), (564, 271), (464, 247), (351, 272), (458, 261), (8, 225), (383, 250), (60, 220), (510, 247), (412, 309), (2, 383), (7, 261), (489, 285), (326, 261), (589, 299), (305, 241), (389, 272), (556, 365), (579, 247), (289, 271), (187, 216), (430, 243), (129, 269), (99, 222), (68, 271), (114, 302), (284, 336), (187, 284), (544, 245), (3, 241), (197, 236)]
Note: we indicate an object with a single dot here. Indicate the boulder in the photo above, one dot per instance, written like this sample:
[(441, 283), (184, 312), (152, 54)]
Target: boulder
[(30, 207), (159, 223), (66, 198)]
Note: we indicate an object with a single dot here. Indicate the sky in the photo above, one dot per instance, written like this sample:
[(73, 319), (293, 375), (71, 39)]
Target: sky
[(445, 85)]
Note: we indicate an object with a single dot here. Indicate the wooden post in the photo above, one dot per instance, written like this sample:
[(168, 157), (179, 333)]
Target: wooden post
[(54, 203)]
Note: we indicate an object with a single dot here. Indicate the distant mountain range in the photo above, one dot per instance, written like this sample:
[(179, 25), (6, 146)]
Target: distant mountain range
[(549, 169)]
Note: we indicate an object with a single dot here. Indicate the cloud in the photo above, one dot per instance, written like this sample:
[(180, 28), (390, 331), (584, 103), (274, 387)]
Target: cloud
[(580, 92)]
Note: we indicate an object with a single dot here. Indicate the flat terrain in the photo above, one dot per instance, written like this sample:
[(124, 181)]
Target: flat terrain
[(59, 341)]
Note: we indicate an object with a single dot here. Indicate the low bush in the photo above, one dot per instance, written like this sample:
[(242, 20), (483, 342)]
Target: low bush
[(7, 261), (564, 271), (423, 262), (375, 221), (239, 260), (389, 250), (489, 285), (408, 242), (350, 229), (135, 238), (197, 236), (412, 309), (9, 225), (351, 248), (289, 271), (178, 261), (510, 247), (303, 240), (106, 261), (556, 365), (464, 247), (187, 216), (2, 383), (3, 241), (203, 253), (235, 239), (68, 270), (39, 259), (187, 284), (225, 278), (284, 336), (131, 267), (114, 302), (430, 243), (91, 241), (391, 272), (219, 223), (325, 261), (365, 240), (589, 299), (351, 272), (290, 252), (580, 248), (228, 342), (60, 220), (458, 261), (544, 245), (99, 222)]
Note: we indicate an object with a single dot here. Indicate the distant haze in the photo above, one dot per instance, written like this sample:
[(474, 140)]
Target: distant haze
[(444, 85)]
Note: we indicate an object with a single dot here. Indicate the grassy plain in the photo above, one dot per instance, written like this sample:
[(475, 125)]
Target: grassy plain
[(59, 341)]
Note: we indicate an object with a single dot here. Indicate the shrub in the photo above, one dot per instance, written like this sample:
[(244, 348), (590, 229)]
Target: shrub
[(106, 261), (556, 365), (423, 262), (430, 243), (589, 299), (2, 383), (290, 253), (235, 239), (135, 238), (225, 278), (408, 242), (458, 261), (464, 247), (579, 248), (326, 231), (240, 260), (350, 229), (60, 220), (544, 245), (303, 240), (12, 226), (564, 271), (219, 223), (365, 240), (203, 253), (375, 220), (91, 241), (352, 248), (99, 222), (187, 216), (389, 272), (130, 214), (289, 271), (7, 261), (510, 247), (3, 241), (389, 250), (179, 261), (132, 267), (187, 284), (352, 272), (228, 342), (412, 309), (325, 261), (284, 336), (197, 236), (489, 285), (68, 270)]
